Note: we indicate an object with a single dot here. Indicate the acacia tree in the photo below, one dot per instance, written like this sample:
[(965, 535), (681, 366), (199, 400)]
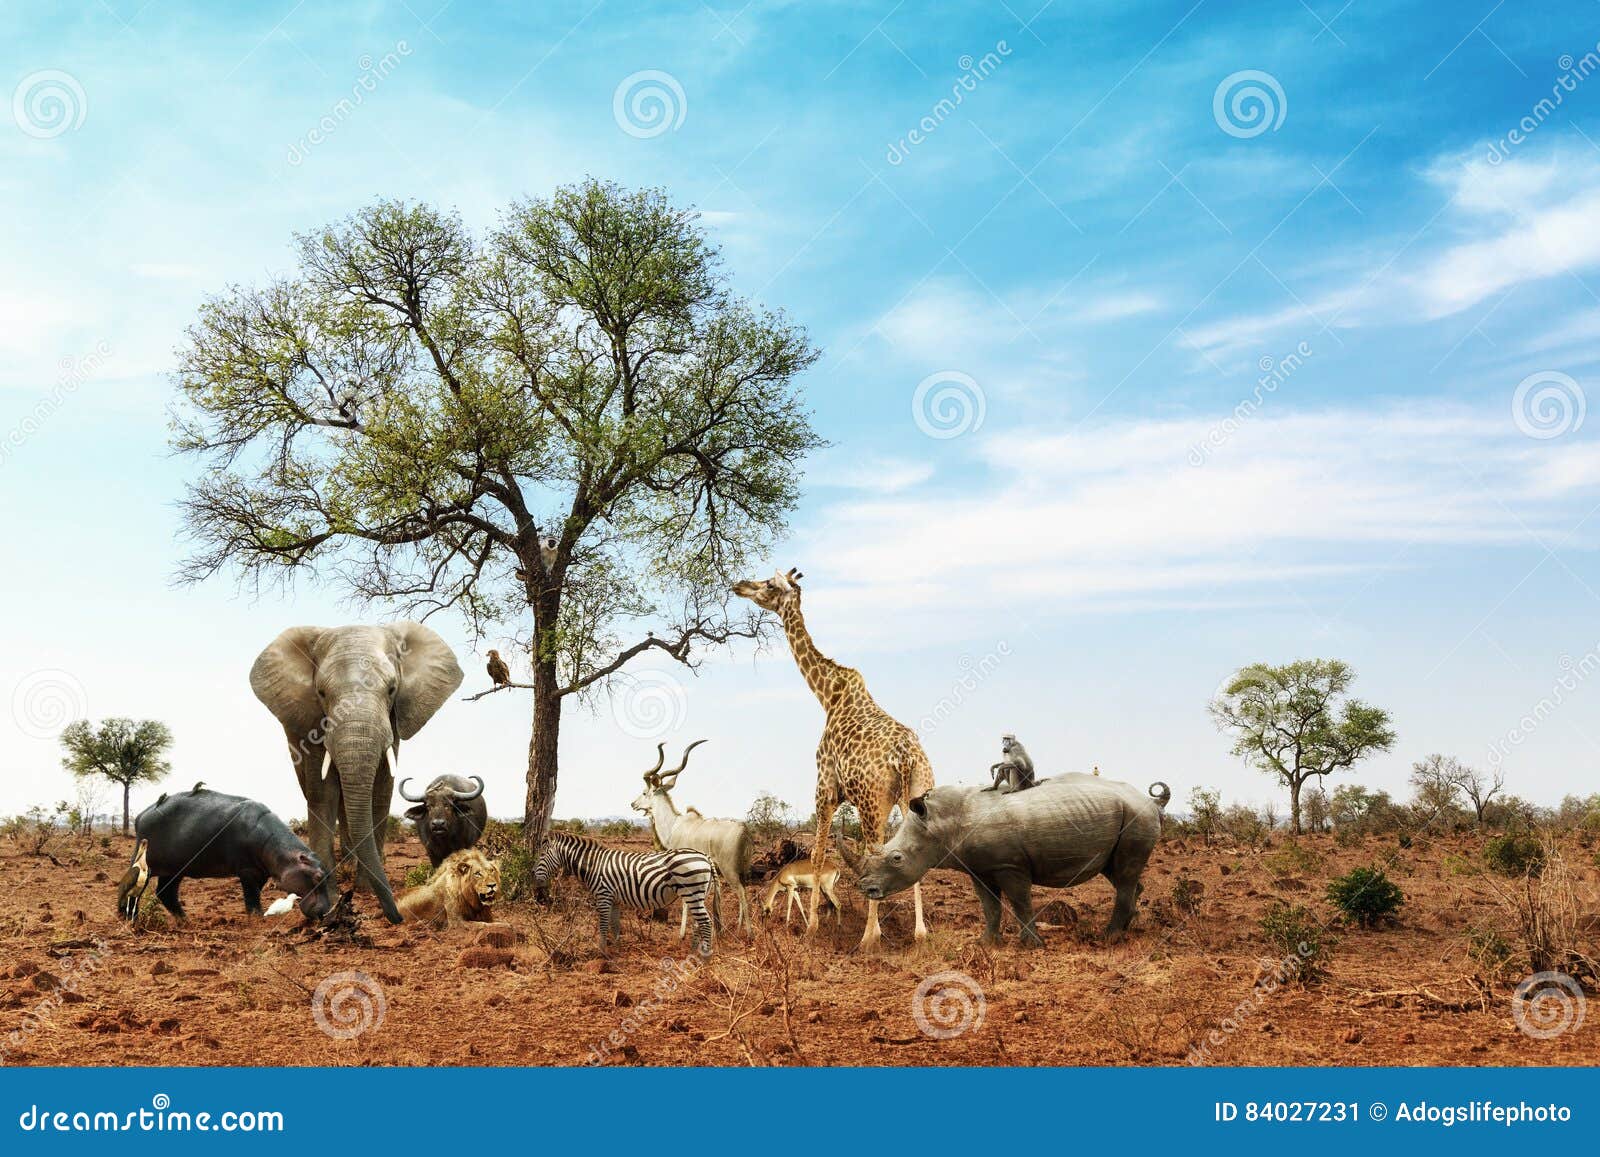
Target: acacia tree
[(1297, 722), (119, 750), (569, 429)]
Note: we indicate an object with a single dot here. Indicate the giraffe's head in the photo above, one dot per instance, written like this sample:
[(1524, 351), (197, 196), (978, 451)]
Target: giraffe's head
[(771, 594)]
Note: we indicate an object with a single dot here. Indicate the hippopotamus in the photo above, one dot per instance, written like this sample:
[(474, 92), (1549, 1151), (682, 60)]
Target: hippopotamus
[(450, 815), (210, 835), (1060, 832)]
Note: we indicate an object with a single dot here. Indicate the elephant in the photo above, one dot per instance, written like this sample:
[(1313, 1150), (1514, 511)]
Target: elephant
[(346, 697)]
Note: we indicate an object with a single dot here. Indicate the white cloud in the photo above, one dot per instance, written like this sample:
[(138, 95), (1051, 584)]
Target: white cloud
[(1081, 516), (951, 319), (1524, 220), (886, 475)]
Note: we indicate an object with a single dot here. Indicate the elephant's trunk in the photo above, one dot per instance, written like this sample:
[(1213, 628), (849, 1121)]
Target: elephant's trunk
[(359, 752)]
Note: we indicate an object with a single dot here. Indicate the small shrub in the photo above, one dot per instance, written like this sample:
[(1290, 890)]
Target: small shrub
[(1515, 854), (1488, 948), (516, 872), (396, 828), (573, 827), (1304, 945), (1366, 896), (1205, 808), (617, 829), (1244, 825), (1457, 865), (417, 875), (1547, 924), (1293, 859), (1186, 894)]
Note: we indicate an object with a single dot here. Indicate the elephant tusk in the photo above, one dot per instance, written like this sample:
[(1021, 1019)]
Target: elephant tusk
[(393, 755), (327, 762)]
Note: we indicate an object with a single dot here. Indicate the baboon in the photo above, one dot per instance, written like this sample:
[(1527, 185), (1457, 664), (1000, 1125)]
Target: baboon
[(1015, 771)]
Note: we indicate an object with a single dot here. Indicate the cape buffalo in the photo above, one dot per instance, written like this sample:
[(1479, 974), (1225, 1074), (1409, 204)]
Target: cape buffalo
[(450, 815)]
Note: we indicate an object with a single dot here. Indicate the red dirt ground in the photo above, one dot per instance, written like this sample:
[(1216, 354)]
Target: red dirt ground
[(230, 989)]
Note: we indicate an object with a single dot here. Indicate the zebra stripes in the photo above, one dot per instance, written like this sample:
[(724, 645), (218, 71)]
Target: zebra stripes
[(643, 881)]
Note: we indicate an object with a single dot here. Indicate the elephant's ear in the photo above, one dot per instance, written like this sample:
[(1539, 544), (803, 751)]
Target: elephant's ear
[(284, 678), (429, 674)]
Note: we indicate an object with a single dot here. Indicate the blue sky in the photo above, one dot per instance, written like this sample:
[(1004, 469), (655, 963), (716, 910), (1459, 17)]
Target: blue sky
[(1301, 373)]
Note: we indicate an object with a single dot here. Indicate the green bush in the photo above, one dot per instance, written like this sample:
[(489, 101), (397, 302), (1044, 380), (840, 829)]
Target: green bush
[(516, 872), (1515, 854), (417, 875), (1304, 945), (1294, 858), (1366, 896), (617, 829)]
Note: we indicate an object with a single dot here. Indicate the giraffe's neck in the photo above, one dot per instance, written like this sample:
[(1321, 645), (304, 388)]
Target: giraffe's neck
[(821, 672)]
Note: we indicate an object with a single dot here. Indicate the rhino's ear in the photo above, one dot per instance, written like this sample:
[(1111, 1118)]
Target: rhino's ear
[(919, 806)]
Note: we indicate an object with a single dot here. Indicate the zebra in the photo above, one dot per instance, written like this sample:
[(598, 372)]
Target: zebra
[(643, 881)]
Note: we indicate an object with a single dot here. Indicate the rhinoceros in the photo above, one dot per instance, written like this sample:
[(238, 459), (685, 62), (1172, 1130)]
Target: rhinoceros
[(1060, 832)]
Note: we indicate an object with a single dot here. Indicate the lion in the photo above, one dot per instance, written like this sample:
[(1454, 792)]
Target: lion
[(460, 890)]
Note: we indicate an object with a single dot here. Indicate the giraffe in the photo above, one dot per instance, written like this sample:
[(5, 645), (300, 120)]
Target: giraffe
[(866, 757)]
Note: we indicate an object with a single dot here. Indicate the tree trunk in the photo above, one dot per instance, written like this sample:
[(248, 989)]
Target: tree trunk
[(543, 749), (127, 788), (1294, 804)]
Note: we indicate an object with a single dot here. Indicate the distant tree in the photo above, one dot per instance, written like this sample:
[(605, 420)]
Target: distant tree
[(119, 750), (1579, 813), (1244, 825), (1269, 814), (1297, 722), (1436, 781), (1205, 805), (769, 817), (91, 797), (1316, 808), (1479, 787), (568, 429), (1356, 808)]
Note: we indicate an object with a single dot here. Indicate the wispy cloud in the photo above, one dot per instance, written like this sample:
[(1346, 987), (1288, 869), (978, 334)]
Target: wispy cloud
[(1117, 510)]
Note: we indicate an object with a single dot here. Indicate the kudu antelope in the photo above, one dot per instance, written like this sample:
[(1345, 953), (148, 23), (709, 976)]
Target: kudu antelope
[(726, 842)]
